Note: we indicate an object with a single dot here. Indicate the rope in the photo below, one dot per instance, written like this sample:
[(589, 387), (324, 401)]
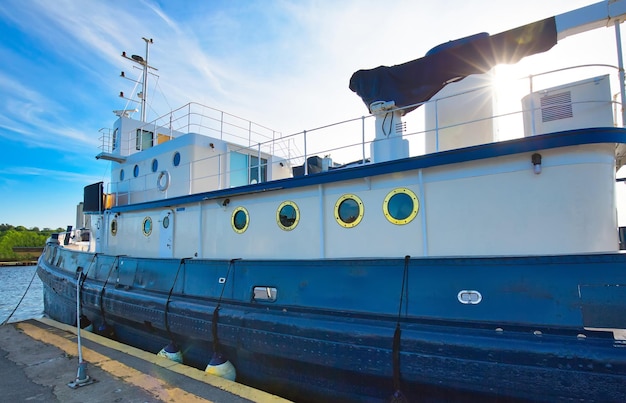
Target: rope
[(21, 299), (398, 396), (83, 277), (169, 296), (215, 317), (104, 286)]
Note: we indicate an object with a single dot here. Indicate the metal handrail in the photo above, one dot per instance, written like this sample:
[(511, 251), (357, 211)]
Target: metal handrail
[(257, 139)]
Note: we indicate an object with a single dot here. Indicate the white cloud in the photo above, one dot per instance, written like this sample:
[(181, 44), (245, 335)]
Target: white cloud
[(57, 174)]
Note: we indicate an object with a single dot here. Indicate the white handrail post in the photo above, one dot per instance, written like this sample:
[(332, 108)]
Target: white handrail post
[(532, 107), (222, 125), (620, 63), (258, 173), (436, 125), (363, 137), (306, 168), (249, 133)]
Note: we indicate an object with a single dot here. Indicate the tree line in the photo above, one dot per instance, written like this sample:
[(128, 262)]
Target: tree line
[(22, 237)]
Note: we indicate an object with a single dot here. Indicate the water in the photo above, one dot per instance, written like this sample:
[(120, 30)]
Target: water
[(14, 281)]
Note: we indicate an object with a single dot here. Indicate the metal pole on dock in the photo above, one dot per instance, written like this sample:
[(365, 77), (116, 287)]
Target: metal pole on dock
[(82, 379)]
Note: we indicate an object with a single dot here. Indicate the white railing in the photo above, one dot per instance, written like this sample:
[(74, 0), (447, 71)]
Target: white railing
[(347, 142)]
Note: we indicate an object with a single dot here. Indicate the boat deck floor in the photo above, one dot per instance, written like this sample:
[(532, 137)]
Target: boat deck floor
[(39, 358)]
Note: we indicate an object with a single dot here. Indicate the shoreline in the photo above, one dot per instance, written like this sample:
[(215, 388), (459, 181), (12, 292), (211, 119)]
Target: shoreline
[(19, 263)]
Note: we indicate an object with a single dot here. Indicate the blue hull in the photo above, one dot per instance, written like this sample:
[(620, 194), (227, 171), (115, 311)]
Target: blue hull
[(329, 333)]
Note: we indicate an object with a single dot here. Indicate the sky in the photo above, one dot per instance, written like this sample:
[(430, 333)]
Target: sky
[(283, 64)]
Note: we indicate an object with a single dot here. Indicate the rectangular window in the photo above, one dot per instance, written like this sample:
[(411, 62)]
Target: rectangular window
[(238, 169), (144, 139), (257, 173), (115, 139), (245, 169)]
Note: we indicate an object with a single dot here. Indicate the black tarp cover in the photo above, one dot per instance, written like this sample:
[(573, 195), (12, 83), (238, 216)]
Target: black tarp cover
[(418, 80)]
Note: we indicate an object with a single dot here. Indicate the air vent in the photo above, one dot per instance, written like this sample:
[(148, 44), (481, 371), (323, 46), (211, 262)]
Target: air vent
[(578, 105), (557, 106)]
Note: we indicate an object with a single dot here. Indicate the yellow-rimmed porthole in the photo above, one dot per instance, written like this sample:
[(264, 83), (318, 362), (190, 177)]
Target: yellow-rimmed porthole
[(349, 210), (287, 215), (114, 227), (401, 206), (240, 220), (147, 226)]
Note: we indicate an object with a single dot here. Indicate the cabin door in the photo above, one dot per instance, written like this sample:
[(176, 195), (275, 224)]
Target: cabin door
[(98, 236), (166, 234)]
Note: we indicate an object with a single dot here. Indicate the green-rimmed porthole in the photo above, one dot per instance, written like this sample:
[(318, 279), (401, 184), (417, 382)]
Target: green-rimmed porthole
[(240, 220), (287, 215), (114, 227), (147, 226), (349, 210), (401, 206)]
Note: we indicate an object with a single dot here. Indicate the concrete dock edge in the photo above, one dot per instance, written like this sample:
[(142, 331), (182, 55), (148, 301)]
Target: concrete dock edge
[(124, 367)]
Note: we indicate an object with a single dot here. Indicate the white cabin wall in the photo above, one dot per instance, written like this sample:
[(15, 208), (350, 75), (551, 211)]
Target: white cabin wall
[(500, 206), (129, 239), (207, 169), (263, 238), (496, 206), (278, 168), (374, 235), (186, 231)]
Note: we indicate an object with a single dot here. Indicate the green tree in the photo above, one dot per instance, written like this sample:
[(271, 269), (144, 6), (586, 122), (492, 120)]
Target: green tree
[(20, 238)]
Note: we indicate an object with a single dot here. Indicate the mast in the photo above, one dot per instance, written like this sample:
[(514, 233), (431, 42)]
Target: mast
[(144, 83), (143, 62)]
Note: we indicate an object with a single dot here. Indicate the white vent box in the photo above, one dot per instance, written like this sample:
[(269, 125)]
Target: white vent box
[(576, 105)]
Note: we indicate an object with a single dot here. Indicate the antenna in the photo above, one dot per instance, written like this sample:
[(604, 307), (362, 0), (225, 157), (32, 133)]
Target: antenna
[(143, 62)]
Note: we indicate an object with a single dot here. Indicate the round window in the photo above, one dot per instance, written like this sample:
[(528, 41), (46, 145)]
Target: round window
[(166, 221), (240, 220), (176, 159), (147, 226), (400, 206), (155, 165), (121, 175), (114, 227), (287, 215), (136, 171), (349, 211)]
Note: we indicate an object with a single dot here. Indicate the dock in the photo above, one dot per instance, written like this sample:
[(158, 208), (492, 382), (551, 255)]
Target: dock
[(39, 358)]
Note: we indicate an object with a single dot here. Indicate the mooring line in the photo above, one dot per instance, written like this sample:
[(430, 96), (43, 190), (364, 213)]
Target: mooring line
[(21, 299)]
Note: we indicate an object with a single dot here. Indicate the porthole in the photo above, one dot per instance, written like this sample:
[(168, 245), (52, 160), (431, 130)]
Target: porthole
[(121, 175), (147, 226), (349, 210), (114, 227), (155, 165), (166, 221), (400, 206), (136, 171), (240, 220), (176, 159), (287, 215)]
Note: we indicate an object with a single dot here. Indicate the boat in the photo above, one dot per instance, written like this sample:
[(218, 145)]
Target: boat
[(335, 264)]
